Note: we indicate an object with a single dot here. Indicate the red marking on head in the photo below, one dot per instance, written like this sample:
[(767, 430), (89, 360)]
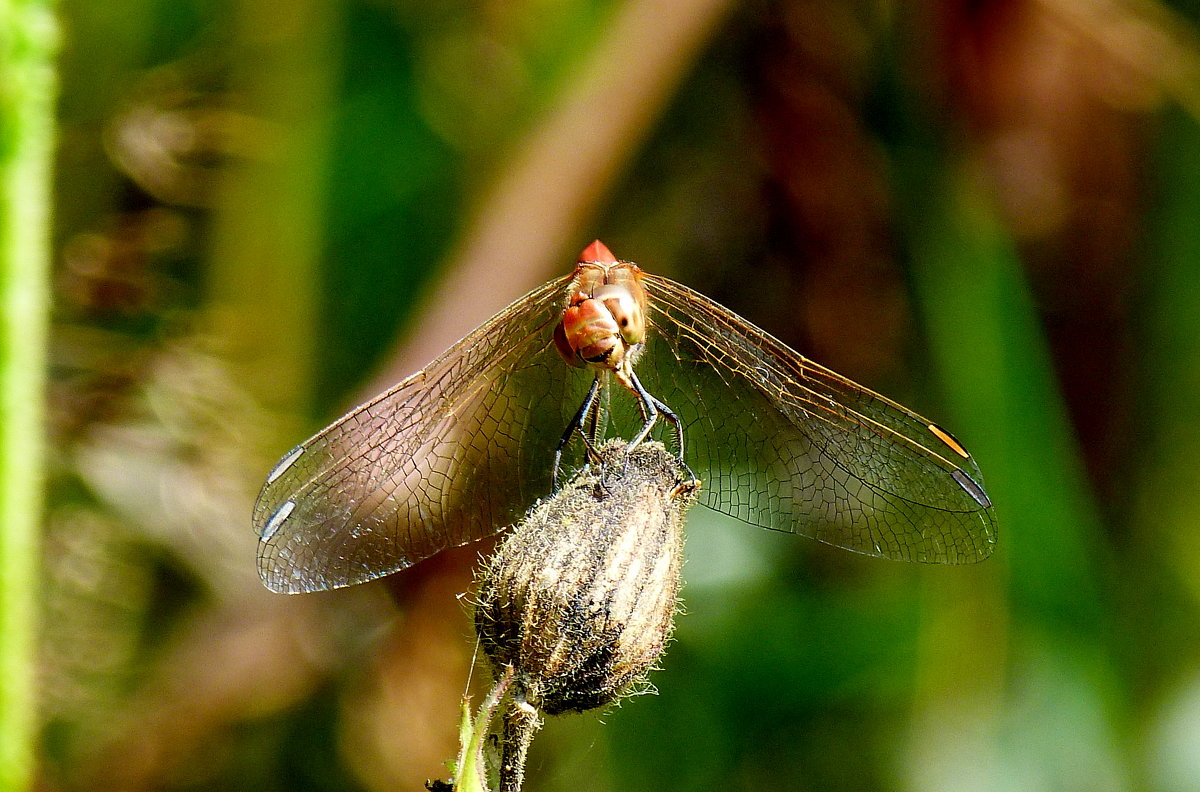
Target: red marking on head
[(597, 251)]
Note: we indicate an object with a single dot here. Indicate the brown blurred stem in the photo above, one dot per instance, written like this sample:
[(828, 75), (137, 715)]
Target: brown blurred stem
[(560, 172)]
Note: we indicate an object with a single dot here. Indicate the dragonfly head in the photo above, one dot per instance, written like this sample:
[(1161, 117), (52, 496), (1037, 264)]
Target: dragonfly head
[(606, 314)]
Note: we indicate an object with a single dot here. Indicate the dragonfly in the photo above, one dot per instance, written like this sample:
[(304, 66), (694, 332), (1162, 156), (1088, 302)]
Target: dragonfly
[(463, 448)]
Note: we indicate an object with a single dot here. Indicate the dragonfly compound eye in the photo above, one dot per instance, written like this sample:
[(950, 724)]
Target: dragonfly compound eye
[(589, 333), (625, 310), (579, 601)]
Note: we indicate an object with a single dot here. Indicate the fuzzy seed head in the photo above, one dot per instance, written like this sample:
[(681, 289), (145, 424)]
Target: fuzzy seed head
[(580, 598)]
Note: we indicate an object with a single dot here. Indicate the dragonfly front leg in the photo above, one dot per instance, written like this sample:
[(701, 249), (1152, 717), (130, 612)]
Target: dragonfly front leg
[(587, 413)]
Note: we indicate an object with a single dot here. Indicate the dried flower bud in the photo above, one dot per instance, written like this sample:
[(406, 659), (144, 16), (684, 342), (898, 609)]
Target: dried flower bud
[(580, 599)]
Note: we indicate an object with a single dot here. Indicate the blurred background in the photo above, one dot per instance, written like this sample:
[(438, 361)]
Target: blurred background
[(989, 211)]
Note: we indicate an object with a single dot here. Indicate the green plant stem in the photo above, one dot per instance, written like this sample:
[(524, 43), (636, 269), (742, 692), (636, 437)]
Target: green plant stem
[(471, 767), (27, 43)]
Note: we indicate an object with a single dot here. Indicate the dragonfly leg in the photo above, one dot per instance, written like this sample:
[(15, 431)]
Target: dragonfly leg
[(646, 403), (590, 427), (652, 407), (587, 410), (670, 415)]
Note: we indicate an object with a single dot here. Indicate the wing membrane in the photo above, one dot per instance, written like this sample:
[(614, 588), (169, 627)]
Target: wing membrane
[(784, 443), (452, 454)]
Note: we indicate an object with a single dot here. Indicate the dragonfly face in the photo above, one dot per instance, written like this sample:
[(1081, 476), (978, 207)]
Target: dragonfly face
[(605, 319), (461, 449)]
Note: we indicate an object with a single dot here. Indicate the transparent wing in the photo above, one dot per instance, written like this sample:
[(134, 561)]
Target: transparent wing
[(781, 442), (452, 454)]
